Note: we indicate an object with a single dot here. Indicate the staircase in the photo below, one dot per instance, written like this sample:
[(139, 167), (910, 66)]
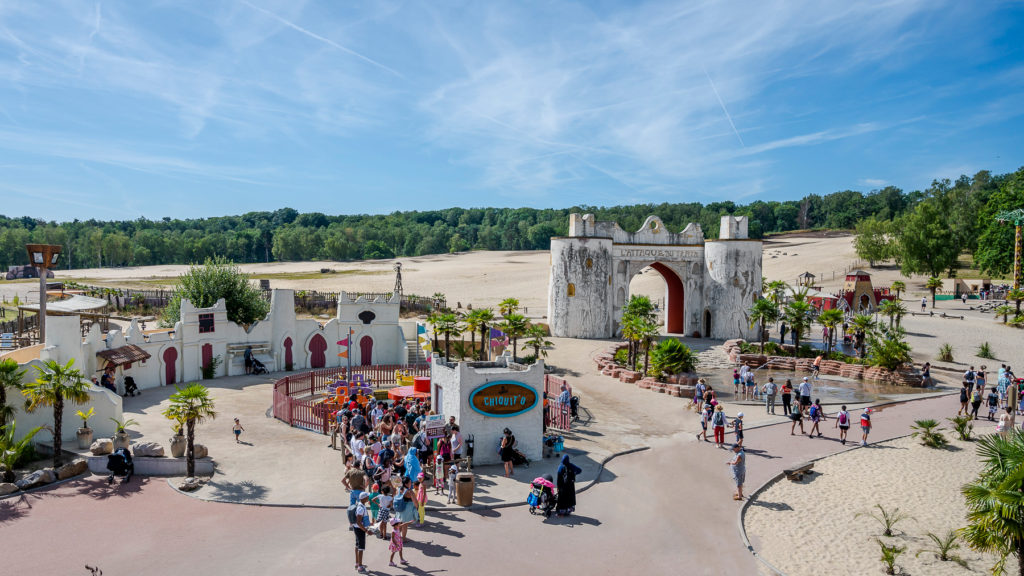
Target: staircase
[(416, 355)]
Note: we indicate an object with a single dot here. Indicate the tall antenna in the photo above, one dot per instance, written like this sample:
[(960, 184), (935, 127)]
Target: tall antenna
[(398, 278)]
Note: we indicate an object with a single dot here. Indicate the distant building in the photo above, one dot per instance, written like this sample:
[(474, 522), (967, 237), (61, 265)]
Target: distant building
[(859, 296), (20, 272)]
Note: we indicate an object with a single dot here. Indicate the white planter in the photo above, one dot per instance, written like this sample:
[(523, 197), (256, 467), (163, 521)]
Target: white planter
[(84, 438), (121, 440)]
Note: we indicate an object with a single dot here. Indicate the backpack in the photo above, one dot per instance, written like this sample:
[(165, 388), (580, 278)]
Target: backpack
[(400, 501), (718, 419), (814, 410), (844, 418), (353, 519)]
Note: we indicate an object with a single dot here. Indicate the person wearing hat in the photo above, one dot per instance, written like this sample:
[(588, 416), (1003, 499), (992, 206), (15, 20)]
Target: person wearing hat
[(737, 424), (805, 395), (865, 426), (359, 527), (739, 469)]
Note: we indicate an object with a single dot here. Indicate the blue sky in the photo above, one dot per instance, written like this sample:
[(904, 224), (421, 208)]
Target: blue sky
[(117, 110)]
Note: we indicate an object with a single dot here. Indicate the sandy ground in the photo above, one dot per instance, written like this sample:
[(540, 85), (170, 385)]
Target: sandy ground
[(794, 526)]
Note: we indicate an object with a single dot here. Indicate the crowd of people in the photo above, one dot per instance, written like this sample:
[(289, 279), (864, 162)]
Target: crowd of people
[(1004, 398)]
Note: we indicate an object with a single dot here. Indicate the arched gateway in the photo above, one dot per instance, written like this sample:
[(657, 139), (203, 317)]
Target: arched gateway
[(592, 267)]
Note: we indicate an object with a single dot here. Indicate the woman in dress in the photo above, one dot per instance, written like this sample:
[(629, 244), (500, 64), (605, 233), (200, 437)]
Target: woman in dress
[(565, 503), (508, 445)]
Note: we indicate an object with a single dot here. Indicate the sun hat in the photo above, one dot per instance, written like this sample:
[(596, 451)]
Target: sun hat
[(805, 378), (364, 495), (739, 414)]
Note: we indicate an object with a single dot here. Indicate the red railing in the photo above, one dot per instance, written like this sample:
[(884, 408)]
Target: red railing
[(297, 397), (558, 415)]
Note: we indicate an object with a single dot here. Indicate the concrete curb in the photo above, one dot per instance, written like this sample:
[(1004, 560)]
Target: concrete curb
[(474, 507), (775, 479)]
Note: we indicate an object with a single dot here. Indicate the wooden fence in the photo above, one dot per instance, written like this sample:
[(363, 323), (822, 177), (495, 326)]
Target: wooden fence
[(557, 415), (297, 398)]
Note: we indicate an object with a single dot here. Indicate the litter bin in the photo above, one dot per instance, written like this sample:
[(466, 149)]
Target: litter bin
[(464, 485)]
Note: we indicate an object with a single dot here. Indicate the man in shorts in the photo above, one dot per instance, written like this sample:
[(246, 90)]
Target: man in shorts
[(843, 424), (805, 395), (924, 304), (359, 527)]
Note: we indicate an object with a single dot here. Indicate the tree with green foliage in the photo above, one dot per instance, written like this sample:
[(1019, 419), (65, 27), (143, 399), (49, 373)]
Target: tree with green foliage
[(448, 325), (994, 254), (926, 241), (872, 241), (889, 350), (538, 341), (217, 278), (472, 321), (671, 356), (55, 384), (485, 317), (797, 314), (995, 499), (514, 327), (831, 319), (508, 306), (13, 448), (1004, 311), (933, 285), (1017, 295), (762, 313), (892, 309), (899, 287), (11, 375), (191, 405), (866, 324)]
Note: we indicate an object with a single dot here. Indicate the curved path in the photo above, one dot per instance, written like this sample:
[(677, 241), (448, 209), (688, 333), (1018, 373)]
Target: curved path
[(661, 509)]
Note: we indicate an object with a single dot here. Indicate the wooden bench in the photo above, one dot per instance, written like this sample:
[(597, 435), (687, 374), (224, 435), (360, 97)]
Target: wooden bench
[(796, 473)]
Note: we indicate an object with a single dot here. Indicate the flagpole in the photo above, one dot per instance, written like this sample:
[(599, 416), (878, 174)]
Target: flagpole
[(348, 355)]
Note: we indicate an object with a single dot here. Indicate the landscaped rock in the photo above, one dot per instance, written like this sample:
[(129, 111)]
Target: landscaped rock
[(200, 451), (190, 484), (7, 488), (72, 469), (151, 449), (102, 446), (37, 478), (628, 376)]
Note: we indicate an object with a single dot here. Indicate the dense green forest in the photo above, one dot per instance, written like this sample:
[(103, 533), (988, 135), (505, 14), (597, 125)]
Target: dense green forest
[(286, 234)]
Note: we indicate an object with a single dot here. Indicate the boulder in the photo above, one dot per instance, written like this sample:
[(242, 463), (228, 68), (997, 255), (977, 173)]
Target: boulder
[(37, 478), (102, 446), (72, 469), (200, 451), (628, 376), (151, 449), (7, 488)]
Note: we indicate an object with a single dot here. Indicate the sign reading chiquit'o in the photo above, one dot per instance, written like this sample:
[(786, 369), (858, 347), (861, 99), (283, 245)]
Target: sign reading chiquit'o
[(503, 399)]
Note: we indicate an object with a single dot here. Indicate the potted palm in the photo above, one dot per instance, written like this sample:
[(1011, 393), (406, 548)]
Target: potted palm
[(178, 441), (85, 433), (121, 438)]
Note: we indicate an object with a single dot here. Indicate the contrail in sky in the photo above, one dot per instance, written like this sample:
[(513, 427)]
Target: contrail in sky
[(722, 104), (316, 36)]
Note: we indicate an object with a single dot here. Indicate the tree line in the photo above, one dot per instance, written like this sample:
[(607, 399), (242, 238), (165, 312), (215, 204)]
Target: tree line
[(287, 235), (949, 219)]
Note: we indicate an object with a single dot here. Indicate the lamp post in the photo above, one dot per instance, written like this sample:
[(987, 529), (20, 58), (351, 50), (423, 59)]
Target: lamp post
[(43, 257), (1015, 217)]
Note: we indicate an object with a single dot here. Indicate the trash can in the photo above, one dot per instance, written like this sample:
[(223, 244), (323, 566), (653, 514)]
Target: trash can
[(464, 485)]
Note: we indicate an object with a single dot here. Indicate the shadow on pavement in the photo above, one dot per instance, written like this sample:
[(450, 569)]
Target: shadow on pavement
[(429, 549), (776, 506), (98, 489), (572, 520), (245, 491), (13, 508), (439, 528)]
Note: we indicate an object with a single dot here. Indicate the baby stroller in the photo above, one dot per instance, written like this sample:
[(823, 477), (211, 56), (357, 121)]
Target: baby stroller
[(120, 464), (258, 367), (519, 459), (574, 406), (130, 388), (542, 495)]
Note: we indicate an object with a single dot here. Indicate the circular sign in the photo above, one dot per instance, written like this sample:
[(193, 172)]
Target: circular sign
[(503, 399)]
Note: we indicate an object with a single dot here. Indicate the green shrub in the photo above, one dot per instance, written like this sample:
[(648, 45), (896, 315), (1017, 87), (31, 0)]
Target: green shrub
[(946, 352), (985, 351), (887, 518), (944, 545), (622, 357), (928, 431), (963, 426), (210, 369), (889, 555), (671, 356)]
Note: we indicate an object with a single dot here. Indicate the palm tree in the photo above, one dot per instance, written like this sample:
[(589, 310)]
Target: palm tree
[(1016, 295), (899, 287), (508, 306), (798, 314), (55, 384), (514, 326), (448, 324), (889, 309), (434, 319), (776, 288), (631, 334), (866, 324), (10, 377), (995, 499), (932, 285), (485, 316), (831, 319), (763, 313), (648, 332), (11, 449), (1004, 311), (472, 321), (191, 405), (538, 340)]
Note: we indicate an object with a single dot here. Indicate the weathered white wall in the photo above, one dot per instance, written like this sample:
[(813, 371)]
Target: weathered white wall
[(458, 381), (106, 403), (587, 314), (733, 284)]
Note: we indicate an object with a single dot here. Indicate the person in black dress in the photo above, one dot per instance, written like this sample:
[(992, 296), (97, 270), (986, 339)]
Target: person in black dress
[(565, 502)]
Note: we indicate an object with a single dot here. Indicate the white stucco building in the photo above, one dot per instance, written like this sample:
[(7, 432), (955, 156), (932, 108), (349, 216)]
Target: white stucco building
[(709, 284)]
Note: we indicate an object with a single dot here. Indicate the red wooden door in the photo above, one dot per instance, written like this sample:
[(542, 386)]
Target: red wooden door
[(170, 366), (288, 353), (317, 347), (207, 354), (366, 351)]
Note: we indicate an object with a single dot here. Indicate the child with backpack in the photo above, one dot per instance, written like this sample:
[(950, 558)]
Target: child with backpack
[(817, 415), (843, 423), (718, 425), (865, 426), (993, 404), (737, 424), (705, 418)]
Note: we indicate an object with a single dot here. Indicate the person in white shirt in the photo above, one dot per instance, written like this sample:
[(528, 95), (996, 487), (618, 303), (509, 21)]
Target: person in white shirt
[(456, 442), (805, 395)]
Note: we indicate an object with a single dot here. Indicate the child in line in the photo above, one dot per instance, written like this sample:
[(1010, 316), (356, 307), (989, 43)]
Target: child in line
[(397, 542), (384, 501), (797, 417), (993, 403), (718, 425), (865, 426), (237, 428), (374, 504), (843, 423), (439, 474), (705, 417), (735, 382), (453, 471), (420, 491), (737, 424)]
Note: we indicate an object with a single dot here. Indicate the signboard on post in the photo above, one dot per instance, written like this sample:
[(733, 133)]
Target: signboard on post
[(503, 399), (433, 425)]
